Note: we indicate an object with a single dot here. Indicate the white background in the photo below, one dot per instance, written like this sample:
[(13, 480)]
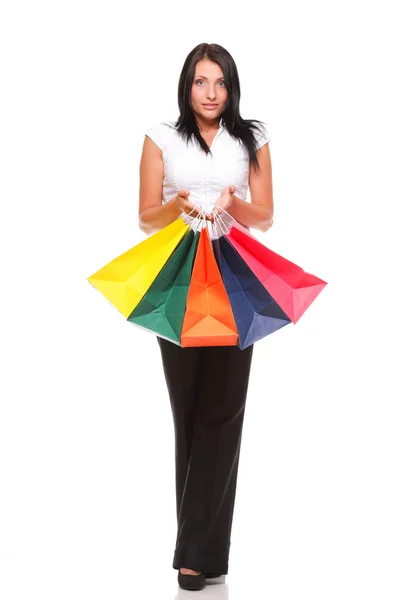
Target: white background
[(87, 505)]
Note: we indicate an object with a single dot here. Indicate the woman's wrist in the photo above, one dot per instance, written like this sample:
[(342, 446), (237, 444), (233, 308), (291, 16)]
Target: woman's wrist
[(156, 217), (172, 207), (251, 215)]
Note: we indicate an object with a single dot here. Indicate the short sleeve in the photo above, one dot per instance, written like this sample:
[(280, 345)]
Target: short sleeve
[(262, 136), (157, 134)]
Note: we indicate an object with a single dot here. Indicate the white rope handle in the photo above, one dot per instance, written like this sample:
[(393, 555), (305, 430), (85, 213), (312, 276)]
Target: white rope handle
[(198, 219), (226, 212), (188, 214), (214, 228), (217, 225), (222, 224)]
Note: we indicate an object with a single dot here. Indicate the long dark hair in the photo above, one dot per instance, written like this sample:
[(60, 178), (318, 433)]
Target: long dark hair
[(242, 129)]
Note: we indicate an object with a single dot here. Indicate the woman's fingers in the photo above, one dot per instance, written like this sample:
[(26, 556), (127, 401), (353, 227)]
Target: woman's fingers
[(191, 209), (196, 211)]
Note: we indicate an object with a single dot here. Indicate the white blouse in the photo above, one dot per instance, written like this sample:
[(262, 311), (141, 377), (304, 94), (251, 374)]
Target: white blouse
[(204, 175)]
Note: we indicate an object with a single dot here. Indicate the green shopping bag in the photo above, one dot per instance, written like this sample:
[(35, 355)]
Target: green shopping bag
[(162, 308)]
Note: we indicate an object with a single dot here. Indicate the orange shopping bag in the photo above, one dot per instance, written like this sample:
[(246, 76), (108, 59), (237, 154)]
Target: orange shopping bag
[(208, 319)]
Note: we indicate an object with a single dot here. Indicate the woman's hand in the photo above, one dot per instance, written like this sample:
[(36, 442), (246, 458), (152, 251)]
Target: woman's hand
[(225, 200), (184, 205)]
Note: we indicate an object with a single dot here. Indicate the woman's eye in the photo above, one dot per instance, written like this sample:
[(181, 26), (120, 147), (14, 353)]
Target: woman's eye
[(202, 81)]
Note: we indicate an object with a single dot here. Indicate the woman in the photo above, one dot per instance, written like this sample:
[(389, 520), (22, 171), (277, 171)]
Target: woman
[(206, 160)]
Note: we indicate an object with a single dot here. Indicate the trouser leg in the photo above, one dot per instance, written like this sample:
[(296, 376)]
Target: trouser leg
[(207, 506), (182, 370)]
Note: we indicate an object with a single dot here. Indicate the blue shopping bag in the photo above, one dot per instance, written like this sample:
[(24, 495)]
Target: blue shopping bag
[(255, 311)]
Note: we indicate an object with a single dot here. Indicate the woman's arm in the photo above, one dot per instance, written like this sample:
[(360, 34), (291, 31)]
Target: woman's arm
[(259, 213), (153, 214)]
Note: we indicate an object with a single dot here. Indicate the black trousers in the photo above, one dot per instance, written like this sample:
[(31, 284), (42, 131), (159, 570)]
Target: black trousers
[(207, 388)]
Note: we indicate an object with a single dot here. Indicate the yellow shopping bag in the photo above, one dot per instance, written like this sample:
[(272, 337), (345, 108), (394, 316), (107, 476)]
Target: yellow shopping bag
[(125, 280)]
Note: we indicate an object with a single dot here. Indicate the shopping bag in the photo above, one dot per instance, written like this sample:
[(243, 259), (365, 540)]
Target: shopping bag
[(208, 319), (256, 313), (125, 280), (162, 308), (293, 288)]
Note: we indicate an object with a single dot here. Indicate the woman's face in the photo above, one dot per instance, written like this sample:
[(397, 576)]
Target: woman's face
[(208, 88)]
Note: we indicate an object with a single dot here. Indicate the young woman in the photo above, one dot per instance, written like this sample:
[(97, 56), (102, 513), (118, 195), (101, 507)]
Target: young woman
[(207, 159)]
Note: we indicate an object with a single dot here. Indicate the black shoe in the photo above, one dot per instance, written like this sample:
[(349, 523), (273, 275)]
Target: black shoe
[(191, 582), (212, 575)]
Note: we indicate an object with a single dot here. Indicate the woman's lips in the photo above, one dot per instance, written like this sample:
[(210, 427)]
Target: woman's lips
[(210, 106)]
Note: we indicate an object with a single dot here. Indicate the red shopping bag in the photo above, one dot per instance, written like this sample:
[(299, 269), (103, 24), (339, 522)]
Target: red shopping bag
[(293, 288)]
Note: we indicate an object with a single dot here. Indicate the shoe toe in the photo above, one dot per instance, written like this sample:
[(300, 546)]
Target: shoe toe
[(191, 582)]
